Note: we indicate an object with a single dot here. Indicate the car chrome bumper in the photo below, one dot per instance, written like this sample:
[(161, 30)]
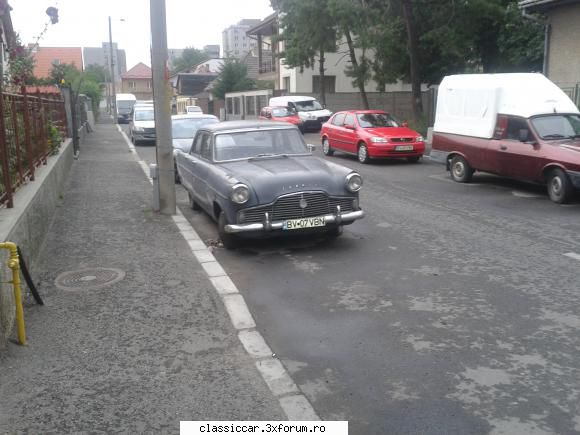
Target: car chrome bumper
[(268, 225)]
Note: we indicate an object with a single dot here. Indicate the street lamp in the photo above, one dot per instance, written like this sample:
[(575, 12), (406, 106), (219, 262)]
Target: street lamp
[(112, 64)]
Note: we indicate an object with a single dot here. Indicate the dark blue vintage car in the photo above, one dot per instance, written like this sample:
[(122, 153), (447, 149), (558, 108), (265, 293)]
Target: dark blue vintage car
[(258, 177)]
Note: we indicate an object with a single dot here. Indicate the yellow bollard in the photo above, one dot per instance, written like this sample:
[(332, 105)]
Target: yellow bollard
[(14, 264)]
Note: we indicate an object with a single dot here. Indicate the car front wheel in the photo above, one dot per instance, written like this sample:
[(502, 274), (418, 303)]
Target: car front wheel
[(230, 241), (363, 153), (559, 186), (460, 170), (326, 149), (192, 204)]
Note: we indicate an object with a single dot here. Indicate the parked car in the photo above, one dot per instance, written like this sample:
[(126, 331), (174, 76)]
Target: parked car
[(124, 106), (193, 109), (281, 114), (183, 129), (371, 134), (310, 111), (515, 125), (258, 178), (142, 124)]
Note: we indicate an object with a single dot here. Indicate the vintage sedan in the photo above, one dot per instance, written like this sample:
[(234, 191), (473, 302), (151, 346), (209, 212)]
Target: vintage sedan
[(259, 178)]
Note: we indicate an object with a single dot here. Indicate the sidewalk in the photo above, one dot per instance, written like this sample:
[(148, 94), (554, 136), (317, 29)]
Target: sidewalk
[(137, 355)]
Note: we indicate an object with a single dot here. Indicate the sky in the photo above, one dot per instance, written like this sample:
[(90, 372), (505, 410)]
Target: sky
[(84, 23)]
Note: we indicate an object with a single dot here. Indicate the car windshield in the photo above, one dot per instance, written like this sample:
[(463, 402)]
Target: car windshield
[(144, 115), (376, 120), (557, 126), (307, 106), (193, 109), (125, 104), (282, 111), (187, 127), (262, 143)]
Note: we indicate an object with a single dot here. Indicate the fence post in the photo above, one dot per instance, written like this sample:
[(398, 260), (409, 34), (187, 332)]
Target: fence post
[(4, 156), (42, 120), (17, 141), (28, 142)]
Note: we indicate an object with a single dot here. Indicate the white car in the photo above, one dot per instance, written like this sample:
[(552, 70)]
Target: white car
[(143, 124), (183, 129), (193, 110)]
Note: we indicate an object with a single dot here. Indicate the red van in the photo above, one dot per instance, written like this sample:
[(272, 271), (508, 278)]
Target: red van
[(281, 114), (514, 125)]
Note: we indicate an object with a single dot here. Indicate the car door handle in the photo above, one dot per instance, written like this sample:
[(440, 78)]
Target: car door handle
[(503, 147)]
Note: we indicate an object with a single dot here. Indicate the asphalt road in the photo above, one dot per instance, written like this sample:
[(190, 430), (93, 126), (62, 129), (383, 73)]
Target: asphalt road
[(449, 309)]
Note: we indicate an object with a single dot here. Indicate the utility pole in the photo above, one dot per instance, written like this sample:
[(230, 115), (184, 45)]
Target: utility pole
[(162, 99), (113, 90)]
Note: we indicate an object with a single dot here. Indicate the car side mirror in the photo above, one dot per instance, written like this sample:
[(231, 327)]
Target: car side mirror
[(311, 148)]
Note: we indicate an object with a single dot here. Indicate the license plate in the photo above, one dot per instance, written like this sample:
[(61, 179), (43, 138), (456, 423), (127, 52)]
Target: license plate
[(404, 148), (297, 224)]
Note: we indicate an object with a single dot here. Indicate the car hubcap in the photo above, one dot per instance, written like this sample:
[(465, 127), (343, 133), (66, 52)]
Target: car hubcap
[(362, 153), (458, 169), (325, 146), (557, 186)]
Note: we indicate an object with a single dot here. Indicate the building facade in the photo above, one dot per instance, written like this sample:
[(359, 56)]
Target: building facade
[(47, 57), (213, 51), (100, 56), (236, 43), (138, 81)]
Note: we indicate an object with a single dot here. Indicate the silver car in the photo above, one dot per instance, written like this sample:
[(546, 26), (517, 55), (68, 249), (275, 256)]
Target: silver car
[(183, 129)]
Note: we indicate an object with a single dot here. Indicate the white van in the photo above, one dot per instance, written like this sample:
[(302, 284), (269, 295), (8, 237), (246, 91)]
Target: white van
[(124, 105), (310, 111)]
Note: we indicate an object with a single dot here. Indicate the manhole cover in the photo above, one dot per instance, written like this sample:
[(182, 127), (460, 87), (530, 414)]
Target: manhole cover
[(88, 279)]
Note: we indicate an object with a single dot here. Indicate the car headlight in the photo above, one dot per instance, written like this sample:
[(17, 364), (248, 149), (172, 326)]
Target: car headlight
[(353, 182), (419, 139), (377, 139), (139, 129), (240, 193)]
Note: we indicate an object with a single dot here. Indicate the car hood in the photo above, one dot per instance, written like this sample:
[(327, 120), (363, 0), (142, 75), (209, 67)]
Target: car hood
[(272, 177), (392, 132), (183, 144), (144, 124), (291, 119)]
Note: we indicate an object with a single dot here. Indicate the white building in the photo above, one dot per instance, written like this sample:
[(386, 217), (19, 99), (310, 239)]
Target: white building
[(235, 41)]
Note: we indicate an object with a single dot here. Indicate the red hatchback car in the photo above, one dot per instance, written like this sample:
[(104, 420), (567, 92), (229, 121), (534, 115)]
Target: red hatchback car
[(370, 134), (281, 114)]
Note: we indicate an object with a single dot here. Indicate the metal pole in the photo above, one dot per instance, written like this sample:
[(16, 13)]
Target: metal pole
[(113, 90), (162, 99)]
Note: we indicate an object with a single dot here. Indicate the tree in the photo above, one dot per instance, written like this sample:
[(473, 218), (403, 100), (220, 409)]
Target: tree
[(308, 32), (190, 57), (97, 73), (233, 76), (63, 71)]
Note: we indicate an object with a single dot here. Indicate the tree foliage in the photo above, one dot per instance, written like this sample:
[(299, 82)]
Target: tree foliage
[(233, 77), (190, 57)]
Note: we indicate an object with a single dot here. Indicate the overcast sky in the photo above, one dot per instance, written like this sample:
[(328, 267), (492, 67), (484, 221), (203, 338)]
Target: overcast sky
[(84, 23)]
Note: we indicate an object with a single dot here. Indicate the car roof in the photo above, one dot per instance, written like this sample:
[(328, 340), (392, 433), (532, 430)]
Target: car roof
[(293, 98), (246, 125), (194, 116), (358, 112)]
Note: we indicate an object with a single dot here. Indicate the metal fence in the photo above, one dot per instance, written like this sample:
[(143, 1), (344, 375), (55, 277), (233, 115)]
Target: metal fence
[(29, 127)]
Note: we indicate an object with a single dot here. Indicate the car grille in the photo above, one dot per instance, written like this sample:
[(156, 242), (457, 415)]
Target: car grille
[(288, 207), (149, 130), (402, 139)]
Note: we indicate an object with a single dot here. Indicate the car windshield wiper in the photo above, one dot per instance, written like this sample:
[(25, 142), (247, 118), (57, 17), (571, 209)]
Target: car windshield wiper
[(268, 155), (556, 136)]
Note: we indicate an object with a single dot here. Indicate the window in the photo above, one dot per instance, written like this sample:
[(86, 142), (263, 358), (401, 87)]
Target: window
[(250, 105), (286, 83), (132, 85), (196, 148), (148, 84), (338, 119), (236, 105), (56, 62), (329, 84), (349, 120), (514, 125), (205, 146), (229, 106)]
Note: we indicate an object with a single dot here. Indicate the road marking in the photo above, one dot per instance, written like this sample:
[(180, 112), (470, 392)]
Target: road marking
[(294, 404), (573, 255)]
